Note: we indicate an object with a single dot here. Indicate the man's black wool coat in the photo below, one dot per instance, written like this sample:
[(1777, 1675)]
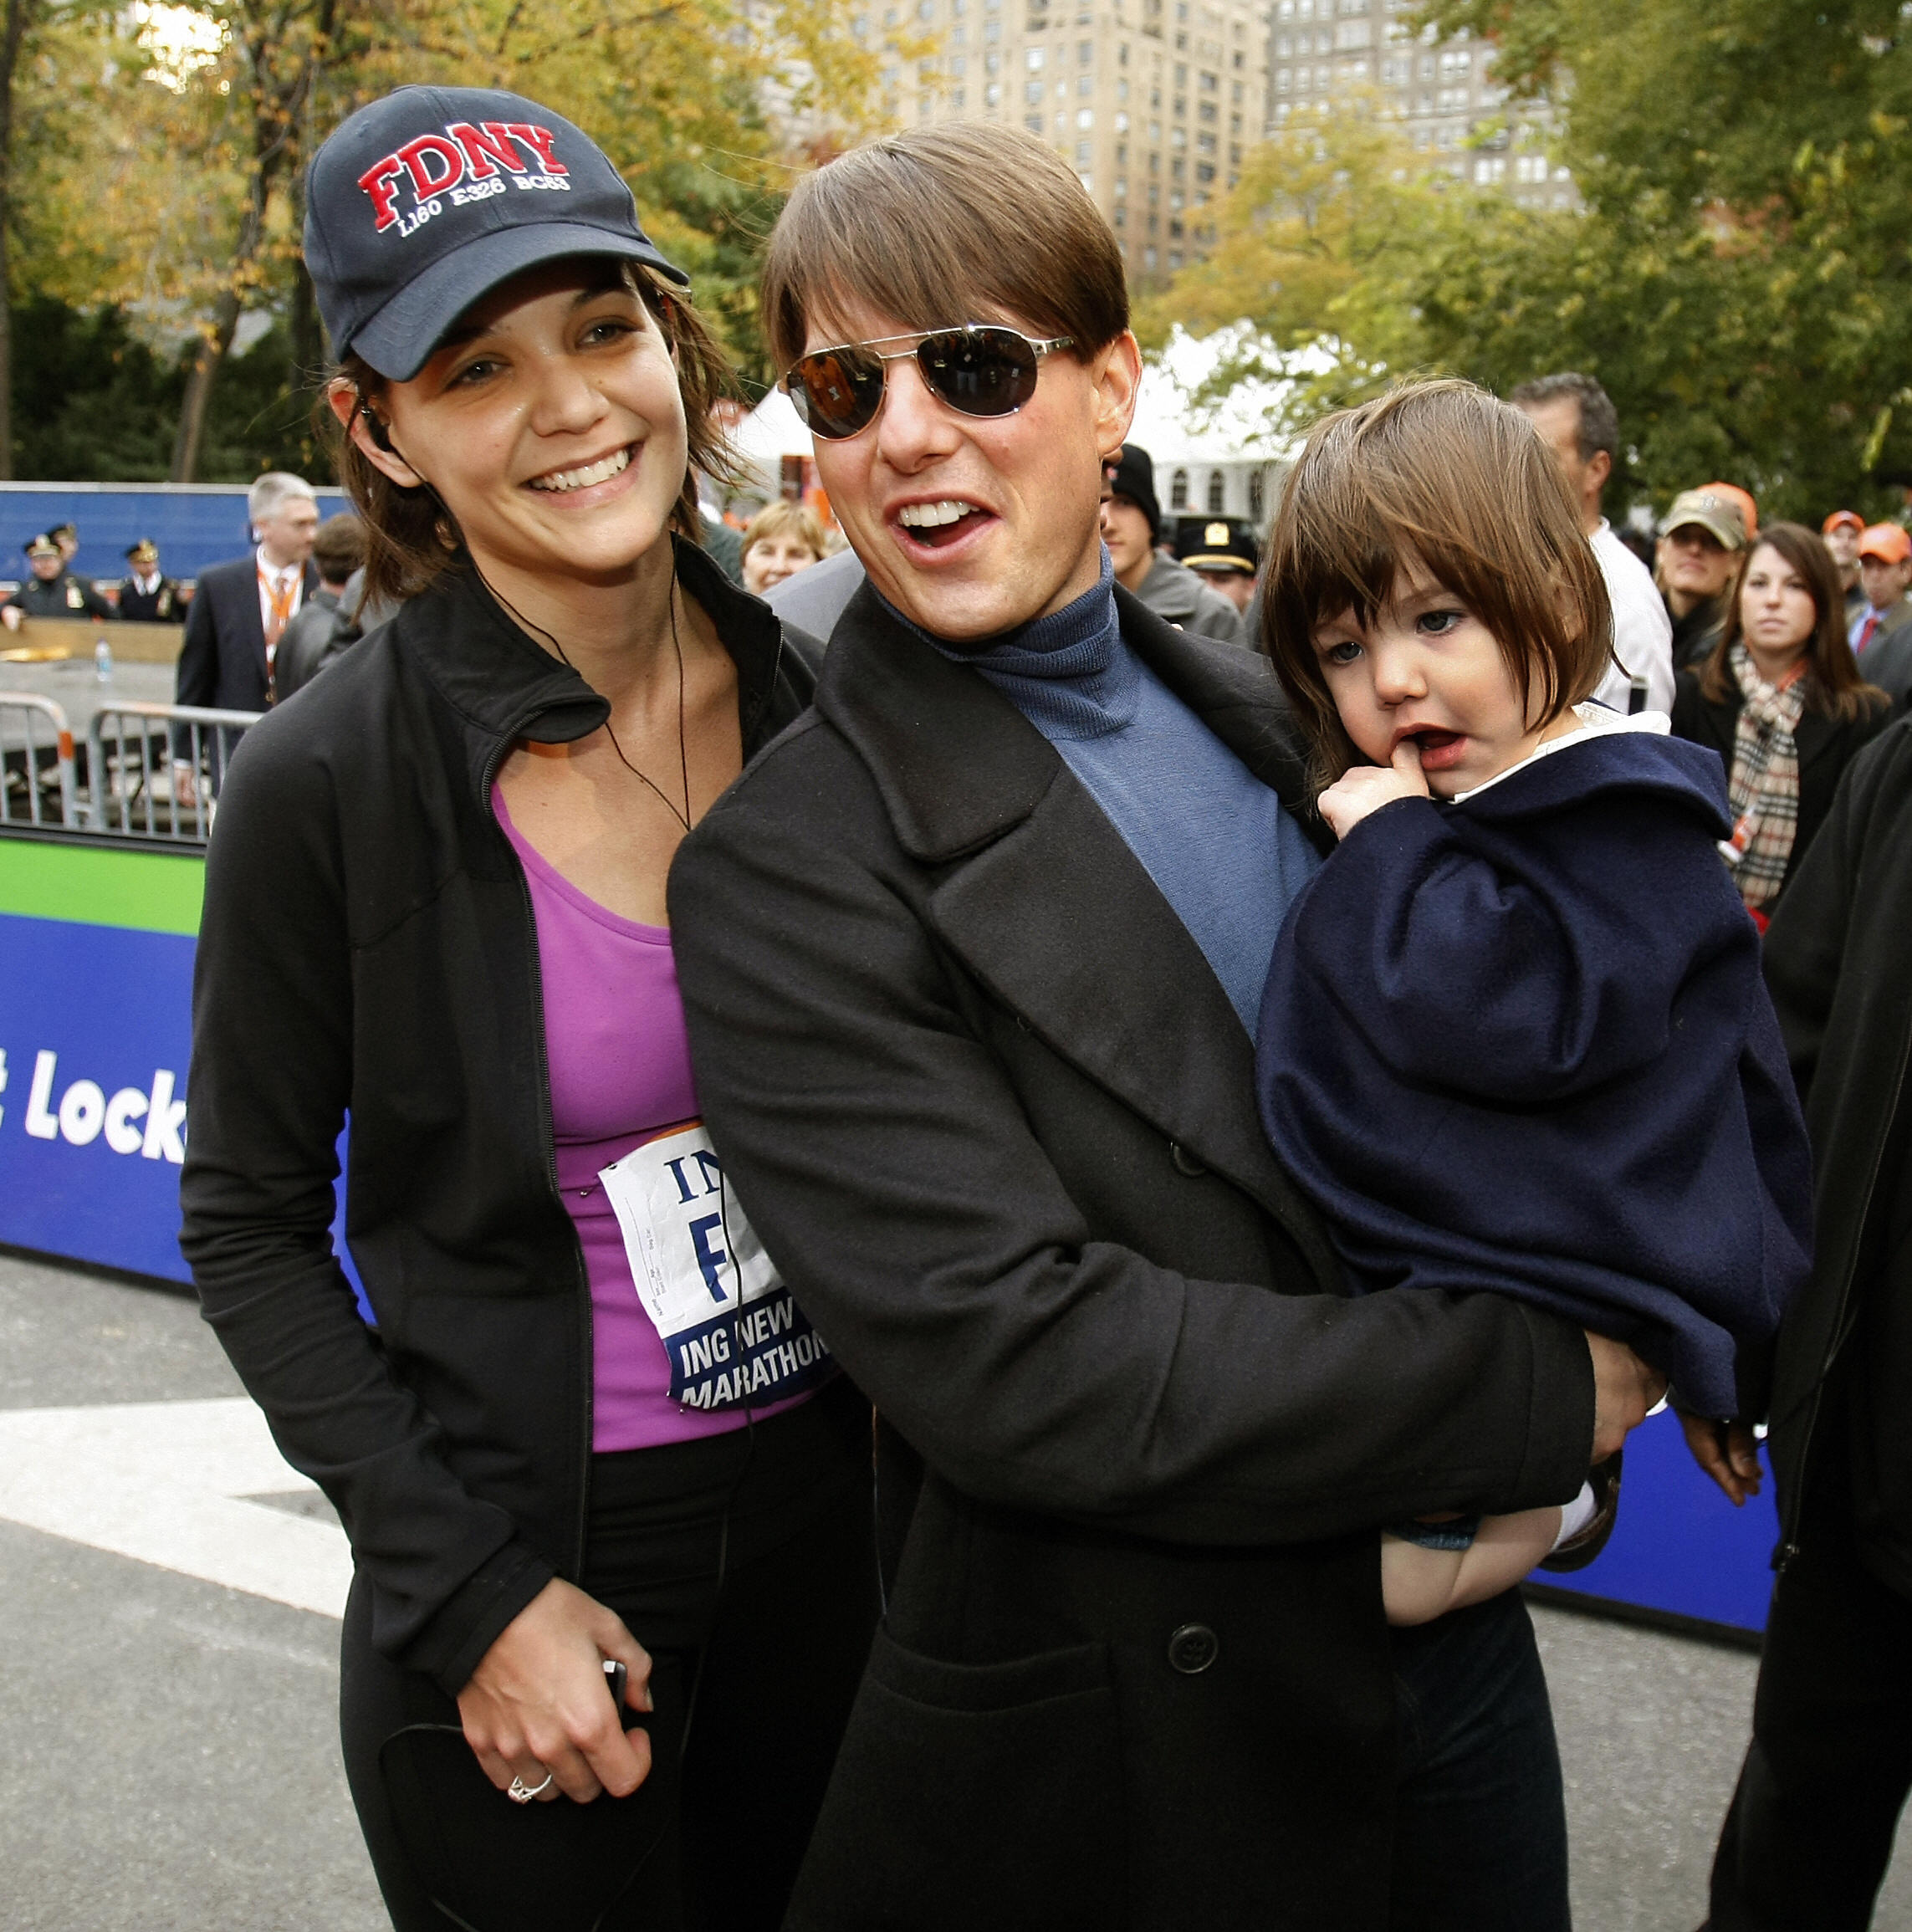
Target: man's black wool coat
[(994, 1118)]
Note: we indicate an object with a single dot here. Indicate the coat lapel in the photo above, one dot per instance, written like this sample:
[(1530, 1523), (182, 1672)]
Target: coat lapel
[(1041, 899)]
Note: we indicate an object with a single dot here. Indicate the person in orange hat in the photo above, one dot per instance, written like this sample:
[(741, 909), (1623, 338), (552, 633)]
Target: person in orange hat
[(1842, 531), (1886, 573), (1749, 507)]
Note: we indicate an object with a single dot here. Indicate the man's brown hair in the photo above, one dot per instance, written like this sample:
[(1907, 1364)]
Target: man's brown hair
[(1444, 473), (412, 539), (963, 223), (1835, 686)]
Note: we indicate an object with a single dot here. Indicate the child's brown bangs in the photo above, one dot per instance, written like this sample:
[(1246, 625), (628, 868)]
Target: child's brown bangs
[(1443, 475)]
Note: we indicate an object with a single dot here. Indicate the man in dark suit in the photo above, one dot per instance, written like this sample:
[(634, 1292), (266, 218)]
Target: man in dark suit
[(239, 609), (970, 957)]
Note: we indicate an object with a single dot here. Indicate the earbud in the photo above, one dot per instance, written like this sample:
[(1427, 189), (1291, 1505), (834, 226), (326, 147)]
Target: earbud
[(375, 427)]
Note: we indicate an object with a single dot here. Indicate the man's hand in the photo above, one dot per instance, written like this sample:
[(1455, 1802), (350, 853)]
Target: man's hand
[(1624, 1389), (1728, 1452), (539, 1701), (1362, 788), (12, 616)]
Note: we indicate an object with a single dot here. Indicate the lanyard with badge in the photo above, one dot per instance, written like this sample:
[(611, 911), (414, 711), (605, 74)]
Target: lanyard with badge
[(734, 1337)]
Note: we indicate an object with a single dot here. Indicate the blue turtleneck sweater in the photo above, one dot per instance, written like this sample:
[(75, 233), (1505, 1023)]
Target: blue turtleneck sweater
[(1215, 839)]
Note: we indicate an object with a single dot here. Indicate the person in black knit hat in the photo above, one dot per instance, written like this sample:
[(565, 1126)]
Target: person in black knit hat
[(1131, 527)]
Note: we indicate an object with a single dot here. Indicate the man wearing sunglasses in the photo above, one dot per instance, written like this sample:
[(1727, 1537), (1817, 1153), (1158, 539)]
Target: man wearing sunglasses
[(971, 958)]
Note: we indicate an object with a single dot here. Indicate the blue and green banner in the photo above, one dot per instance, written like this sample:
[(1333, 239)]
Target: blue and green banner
[(96, 948)]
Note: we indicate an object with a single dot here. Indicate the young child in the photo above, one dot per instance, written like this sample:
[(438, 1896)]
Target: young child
[(1515, 1036)]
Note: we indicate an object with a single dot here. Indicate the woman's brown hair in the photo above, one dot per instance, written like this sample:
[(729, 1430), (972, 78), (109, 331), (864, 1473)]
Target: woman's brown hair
[(780, 519), (1834, 686), (1442, 474), (412, 539)]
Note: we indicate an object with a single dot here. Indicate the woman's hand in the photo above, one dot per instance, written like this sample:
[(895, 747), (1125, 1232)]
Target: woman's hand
[(1624, 1389), (539, 1701), (1362, 788), (1728, 1452)]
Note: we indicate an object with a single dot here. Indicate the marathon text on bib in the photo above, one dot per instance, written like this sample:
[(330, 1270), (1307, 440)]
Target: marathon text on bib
[(728, 1323)]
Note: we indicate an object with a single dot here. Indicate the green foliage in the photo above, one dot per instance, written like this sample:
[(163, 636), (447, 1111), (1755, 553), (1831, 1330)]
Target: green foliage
[(91, 399), (1741, 274)]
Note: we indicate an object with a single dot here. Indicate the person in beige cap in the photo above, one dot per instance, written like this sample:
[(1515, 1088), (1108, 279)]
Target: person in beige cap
[(1699, 546)]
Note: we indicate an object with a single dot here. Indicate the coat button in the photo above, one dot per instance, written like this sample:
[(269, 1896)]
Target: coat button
[(1192, 1648), (1185, 1163)]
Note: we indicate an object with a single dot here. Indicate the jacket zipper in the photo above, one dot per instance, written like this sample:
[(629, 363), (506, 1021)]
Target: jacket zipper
[(548, 1135), (1789, 1545)]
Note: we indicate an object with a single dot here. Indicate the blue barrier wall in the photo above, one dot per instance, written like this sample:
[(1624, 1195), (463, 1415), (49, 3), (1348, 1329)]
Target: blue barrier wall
[(194, 524)]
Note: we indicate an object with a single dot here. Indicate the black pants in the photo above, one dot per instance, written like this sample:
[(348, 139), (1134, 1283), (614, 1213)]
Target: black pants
[(1807, 1840), (711, 1842), (1479, 1815)]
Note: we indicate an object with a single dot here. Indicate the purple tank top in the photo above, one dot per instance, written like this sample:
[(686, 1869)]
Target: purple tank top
[(620, 1073)]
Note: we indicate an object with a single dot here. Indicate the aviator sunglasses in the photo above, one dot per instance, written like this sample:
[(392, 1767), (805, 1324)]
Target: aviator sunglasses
[(981, 368)]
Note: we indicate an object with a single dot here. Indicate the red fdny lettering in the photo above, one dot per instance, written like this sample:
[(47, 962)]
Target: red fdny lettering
[(539, 140), (437, 163), (419, 154), (379, 181), (486, 149)]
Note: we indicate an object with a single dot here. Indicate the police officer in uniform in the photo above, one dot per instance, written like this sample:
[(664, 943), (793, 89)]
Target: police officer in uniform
[(146, 597), (51, 591), (1223, 553)]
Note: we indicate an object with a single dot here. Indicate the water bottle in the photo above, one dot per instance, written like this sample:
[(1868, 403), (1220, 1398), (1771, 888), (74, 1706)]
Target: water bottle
[(103, 661)]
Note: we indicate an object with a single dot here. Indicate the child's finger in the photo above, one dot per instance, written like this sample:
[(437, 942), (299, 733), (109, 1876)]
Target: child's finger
[(1406, 760)]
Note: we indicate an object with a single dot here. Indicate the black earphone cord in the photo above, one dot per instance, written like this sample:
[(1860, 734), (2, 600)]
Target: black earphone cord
[(382, 436)]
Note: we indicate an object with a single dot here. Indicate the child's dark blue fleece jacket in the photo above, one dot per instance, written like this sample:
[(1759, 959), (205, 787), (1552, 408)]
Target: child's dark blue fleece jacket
[(1521, 1043)]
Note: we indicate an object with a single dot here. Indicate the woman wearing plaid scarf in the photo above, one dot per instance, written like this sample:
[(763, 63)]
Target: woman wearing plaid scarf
[(1782, 700)]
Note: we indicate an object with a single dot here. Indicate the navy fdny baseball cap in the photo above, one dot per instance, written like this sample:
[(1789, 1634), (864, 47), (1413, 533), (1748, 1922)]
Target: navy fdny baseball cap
[(428, 199)]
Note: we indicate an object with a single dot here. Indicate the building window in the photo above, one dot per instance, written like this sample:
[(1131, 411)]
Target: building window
[(1033, 122), (1085, 84), (1174, 260), (1218, 487), (1148, 260), (1034, 59), (1178, 491), (957, 101), (992, 95), (1257, 496), (1033, 94)]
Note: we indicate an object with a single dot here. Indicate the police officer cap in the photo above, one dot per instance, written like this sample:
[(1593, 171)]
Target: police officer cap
[(1217, 544), (145, 551), (41, 546)]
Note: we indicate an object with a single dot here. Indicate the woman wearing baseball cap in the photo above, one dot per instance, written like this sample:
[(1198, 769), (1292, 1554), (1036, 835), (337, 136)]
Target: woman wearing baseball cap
[(578, 1434)]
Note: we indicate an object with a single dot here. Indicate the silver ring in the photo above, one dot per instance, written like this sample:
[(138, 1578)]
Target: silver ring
[(521, 1793)]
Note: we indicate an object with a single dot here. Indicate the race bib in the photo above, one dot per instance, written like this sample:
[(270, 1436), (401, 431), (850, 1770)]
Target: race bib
[(728, 1323)]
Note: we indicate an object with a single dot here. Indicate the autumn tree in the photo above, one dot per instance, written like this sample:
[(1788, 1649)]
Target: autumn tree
[(1737, 276)]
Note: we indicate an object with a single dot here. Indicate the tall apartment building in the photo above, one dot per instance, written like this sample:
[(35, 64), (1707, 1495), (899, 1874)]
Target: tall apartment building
[(1443, 92), (1153, 102)]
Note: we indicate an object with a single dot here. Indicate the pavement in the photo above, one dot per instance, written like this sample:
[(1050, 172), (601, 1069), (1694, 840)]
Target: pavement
[(74, 684), (168, 1591)]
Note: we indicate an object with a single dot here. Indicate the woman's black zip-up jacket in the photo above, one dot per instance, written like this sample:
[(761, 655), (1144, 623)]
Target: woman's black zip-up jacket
[(368, 946)]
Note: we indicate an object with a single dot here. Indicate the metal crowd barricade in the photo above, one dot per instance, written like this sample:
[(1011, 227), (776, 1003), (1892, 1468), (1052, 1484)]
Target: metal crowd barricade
[(155, 770), (36, 761)]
